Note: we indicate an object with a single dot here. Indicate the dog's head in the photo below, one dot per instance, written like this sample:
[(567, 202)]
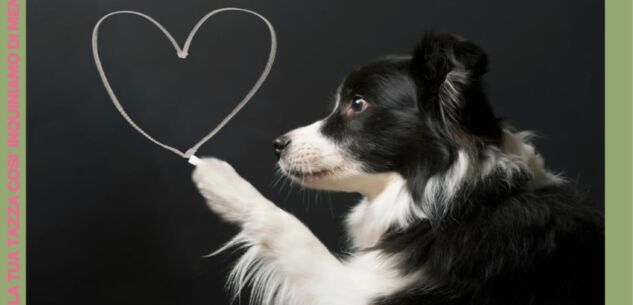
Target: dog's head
[(408, 115)]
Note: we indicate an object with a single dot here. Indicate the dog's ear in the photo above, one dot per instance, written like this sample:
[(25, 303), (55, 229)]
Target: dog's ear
[(446, 69)]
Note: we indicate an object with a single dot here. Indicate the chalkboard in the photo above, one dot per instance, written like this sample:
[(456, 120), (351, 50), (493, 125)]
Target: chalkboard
[(113, 219)]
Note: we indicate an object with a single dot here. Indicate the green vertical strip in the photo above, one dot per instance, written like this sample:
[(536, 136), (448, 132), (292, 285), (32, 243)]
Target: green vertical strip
[(4, 297), (23, 132), (618, 165), (13, 157)]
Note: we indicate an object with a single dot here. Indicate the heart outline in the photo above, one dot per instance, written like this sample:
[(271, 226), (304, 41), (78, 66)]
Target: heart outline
[(182, 53)]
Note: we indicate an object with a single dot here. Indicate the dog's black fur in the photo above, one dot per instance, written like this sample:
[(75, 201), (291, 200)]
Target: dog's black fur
[(498, 240)]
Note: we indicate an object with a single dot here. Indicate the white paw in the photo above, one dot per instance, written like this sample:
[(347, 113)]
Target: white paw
[(226, 192)]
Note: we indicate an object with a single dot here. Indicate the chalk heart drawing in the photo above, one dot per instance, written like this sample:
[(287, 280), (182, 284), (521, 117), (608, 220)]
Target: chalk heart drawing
[(182, 52)]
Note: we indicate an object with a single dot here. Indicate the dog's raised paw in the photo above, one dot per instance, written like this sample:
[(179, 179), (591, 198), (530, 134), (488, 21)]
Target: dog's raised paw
[(226, 192), (212, 174)]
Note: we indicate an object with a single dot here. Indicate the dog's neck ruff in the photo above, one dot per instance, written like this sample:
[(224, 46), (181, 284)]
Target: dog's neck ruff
[(182, 53), (373, 216), (395, 208)]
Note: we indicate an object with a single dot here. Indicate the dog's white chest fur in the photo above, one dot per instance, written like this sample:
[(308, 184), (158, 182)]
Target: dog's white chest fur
[(389, 208), (285, 263)]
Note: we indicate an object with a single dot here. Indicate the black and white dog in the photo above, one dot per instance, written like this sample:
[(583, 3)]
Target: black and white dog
[(457, 209)]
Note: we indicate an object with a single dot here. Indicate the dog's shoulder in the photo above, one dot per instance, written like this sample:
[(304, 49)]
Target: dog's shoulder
[(548, 240)]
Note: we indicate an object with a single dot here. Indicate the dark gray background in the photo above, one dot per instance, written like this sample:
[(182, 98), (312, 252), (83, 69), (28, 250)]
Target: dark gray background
[(113, 219)]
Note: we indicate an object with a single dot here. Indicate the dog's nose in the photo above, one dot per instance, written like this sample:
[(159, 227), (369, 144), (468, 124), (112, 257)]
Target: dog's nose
[(280, 144)]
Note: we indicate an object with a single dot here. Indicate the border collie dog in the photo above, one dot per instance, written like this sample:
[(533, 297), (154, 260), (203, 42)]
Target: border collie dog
[(457, 207)]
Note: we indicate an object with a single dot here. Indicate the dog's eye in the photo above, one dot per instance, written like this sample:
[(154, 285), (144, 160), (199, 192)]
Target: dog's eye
[(358, 104)]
